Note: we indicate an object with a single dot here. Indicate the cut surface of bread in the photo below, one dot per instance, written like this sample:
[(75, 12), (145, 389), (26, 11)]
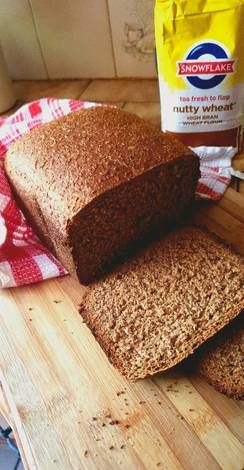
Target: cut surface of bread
[(158, 307), (97, 181), (221, 362)]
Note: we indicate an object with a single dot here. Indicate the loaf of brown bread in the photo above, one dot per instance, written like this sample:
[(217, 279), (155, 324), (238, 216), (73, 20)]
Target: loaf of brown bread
[(221, 361), (97, 181), (158, 307)]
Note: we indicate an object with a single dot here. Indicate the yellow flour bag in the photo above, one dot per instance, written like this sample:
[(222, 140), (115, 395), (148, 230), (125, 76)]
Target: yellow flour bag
[(200, 55)]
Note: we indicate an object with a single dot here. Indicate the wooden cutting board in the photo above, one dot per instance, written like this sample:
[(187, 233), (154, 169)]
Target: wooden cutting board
[(70, 409)]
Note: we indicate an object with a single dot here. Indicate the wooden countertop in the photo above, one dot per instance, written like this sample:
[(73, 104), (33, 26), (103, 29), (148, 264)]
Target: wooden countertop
[(70, 409)]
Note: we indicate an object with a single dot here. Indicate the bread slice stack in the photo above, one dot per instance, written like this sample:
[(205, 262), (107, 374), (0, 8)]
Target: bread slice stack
[(161, 305)]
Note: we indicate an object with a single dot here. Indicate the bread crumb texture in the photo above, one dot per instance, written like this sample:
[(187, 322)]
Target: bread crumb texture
[(158, 307)]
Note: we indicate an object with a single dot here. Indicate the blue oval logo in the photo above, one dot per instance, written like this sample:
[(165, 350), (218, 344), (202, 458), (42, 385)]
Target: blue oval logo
[(206, 48)]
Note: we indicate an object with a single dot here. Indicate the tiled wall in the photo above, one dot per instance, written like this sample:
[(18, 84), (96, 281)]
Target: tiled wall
[(78, 38)]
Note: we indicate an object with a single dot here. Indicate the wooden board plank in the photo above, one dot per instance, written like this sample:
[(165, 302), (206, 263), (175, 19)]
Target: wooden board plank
[(28, 90), (122, 90), (233, 203), (66, 387), (6, 413), (3, 407), (223, 223), (71, 409), (203, 419), (70, 390)]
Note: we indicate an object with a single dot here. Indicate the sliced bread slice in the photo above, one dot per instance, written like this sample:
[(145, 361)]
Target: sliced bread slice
[(221, 361), (158, 307)]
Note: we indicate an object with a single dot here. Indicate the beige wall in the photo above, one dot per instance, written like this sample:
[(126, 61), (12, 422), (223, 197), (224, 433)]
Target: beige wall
[(78, 38)]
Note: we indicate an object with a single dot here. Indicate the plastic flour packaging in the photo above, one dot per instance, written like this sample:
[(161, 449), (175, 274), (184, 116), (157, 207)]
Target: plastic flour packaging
[(200, 55)]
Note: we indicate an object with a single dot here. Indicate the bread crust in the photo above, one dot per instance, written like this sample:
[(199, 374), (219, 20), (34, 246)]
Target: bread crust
[(63, 170)]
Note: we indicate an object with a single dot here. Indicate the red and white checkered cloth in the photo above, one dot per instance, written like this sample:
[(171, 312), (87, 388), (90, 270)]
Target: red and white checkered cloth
[(23, 258)]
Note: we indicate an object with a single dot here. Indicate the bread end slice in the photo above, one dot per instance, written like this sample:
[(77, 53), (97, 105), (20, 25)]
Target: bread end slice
[(221, 360)]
